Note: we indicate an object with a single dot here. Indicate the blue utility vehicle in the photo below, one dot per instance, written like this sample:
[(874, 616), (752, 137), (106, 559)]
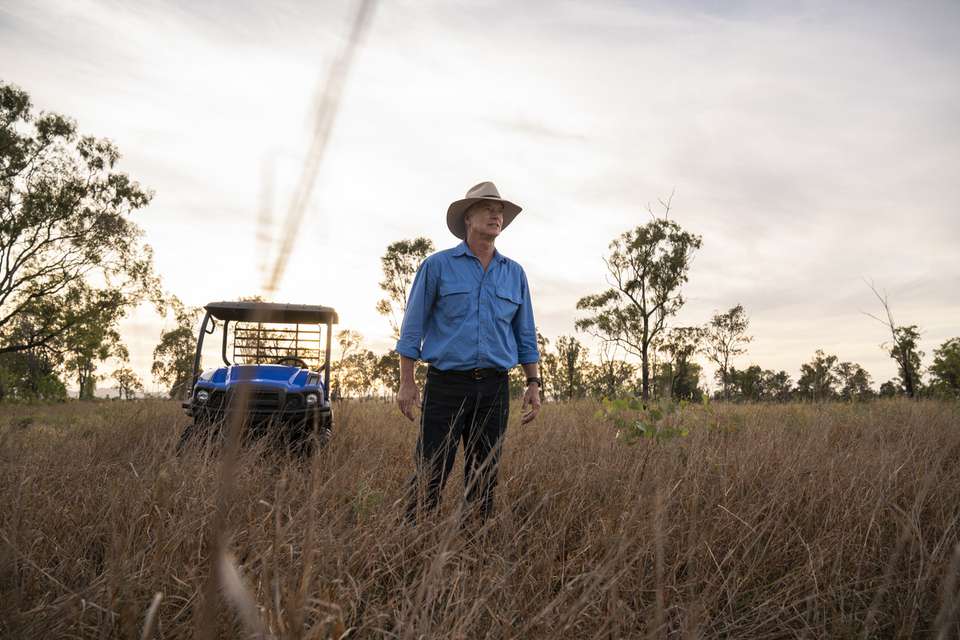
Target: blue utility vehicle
[(274, 376)]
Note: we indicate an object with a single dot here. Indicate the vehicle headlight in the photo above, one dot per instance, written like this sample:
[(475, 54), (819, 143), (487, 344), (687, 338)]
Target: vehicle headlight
[(312, 399), (202, 395)]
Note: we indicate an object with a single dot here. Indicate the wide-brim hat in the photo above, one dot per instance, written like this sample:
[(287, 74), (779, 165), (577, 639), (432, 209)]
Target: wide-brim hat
[(482, 191)]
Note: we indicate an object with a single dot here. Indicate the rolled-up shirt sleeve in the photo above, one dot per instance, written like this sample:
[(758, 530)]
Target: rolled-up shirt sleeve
[(524, 327), (423, 292)]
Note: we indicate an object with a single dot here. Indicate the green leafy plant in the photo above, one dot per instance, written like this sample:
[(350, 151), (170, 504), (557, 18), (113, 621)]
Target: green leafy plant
[(633, 420), (366, 501)]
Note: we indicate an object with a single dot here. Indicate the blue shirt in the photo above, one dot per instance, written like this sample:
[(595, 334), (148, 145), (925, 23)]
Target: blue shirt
[(461, 317)]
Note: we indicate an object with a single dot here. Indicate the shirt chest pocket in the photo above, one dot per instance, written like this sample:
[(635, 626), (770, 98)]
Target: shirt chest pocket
[(453, 300), (507, 300)]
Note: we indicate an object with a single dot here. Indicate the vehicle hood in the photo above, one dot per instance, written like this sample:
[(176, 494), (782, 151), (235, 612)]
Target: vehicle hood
[(265, 373), (270, 374)]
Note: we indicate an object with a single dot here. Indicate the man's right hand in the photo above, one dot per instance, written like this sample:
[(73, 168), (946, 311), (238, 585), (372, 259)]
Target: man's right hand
[(408, 397)]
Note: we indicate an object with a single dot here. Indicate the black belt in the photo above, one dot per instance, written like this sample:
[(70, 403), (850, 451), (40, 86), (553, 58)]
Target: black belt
[(472, 374)]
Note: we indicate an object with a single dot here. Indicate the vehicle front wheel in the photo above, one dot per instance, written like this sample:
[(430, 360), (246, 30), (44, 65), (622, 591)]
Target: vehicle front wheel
[(194, 432)]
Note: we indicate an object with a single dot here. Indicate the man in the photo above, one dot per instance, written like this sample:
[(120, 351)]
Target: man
[(469, 315)]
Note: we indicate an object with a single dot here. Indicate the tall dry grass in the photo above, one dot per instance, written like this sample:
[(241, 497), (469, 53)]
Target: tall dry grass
[(765, 522)]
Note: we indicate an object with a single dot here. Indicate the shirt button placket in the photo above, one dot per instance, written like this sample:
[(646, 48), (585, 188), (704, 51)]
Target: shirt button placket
[(483, 275), (484, 285), (480, 316)]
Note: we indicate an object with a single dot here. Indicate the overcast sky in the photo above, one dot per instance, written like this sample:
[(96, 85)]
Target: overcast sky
[(812, 145)]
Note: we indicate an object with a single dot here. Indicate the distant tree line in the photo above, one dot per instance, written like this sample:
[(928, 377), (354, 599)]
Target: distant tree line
[(569, 372), (641, 354)]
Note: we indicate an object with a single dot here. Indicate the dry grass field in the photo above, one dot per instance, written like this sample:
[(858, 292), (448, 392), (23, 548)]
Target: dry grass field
[(791, 521)]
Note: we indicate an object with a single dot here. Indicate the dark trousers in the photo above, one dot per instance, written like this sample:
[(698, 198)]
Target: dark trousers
[(467, 407)]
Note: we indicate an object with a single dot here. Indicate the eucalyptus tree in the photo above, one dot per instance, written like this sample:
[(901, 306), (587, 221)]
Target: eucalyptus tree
[(744, 384), (682, 375), (610, 376), (776, 385), (349, 342), (548, 366), (818, 378), (87, 345), (905, 351), (31, 375), (945, 370), (173, 356), (725, 336), (890, 388), (646, 268), (128, 382), (854, 381), (399, 264), (359, 373), (68, 246), (569, 379), (904, 347)]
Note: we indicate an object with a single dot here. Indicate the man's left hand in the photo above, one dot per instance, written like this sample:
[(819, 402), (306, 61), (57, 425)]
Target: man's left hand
[(531, 398)]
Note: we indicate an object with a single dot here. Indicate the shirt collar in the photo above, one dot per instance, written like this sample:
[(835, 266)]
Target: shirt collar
[(463, 249)]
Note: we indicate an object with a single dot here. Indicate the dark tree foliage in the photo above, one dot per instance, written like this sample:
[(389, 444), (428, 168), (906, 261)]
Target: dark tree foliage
[(726, 336), (679, 375), (757, 385), (566, 369), (359, 373), (746, 384), (387, 372), (128, 383), (609, 377), (572, 356), (677, 382), (349, 342), (818, 378), (945, 370), (518, 382), (399, 264), (646, 267), (903, 348), (890, 388), (358, 370), (67, 245), (854, 381), (173, 357), (86, 345), (548, 369), (30, 375), (777, 386)]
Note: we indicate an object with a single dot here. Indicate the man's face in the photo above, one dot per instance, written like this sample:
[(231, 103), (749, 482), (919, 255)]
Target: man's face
[(484, 219)]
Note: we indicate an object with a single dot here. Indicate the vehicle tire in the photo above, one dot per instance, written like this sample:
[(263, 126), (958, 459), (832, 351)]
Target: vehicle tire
[(297, 439), (185, 437), (308, 435), (194, 432)]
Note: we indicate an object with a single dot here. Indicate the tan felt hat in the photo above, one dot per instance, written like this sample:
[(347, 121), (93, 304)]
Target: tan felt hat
[(482, 191)]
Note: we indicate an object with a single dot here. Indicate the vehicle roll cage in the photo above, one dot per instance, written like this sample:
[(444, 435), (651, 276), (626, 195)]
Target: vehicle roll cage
[(267, 312)]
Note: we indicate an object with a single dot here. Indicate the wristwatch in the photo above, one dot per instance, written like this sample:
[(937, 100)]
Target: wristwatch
[(531, 380)]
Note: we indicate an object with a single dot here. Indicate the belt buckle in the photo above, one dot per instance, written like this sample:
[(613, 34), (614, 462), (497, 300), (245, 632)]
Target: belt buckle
[(476, 375)]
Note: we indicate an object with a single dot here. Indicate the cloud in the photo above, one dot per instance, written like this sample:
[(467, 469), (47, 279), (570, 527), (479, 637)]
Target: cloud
[(810, 145), (534, 128)]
